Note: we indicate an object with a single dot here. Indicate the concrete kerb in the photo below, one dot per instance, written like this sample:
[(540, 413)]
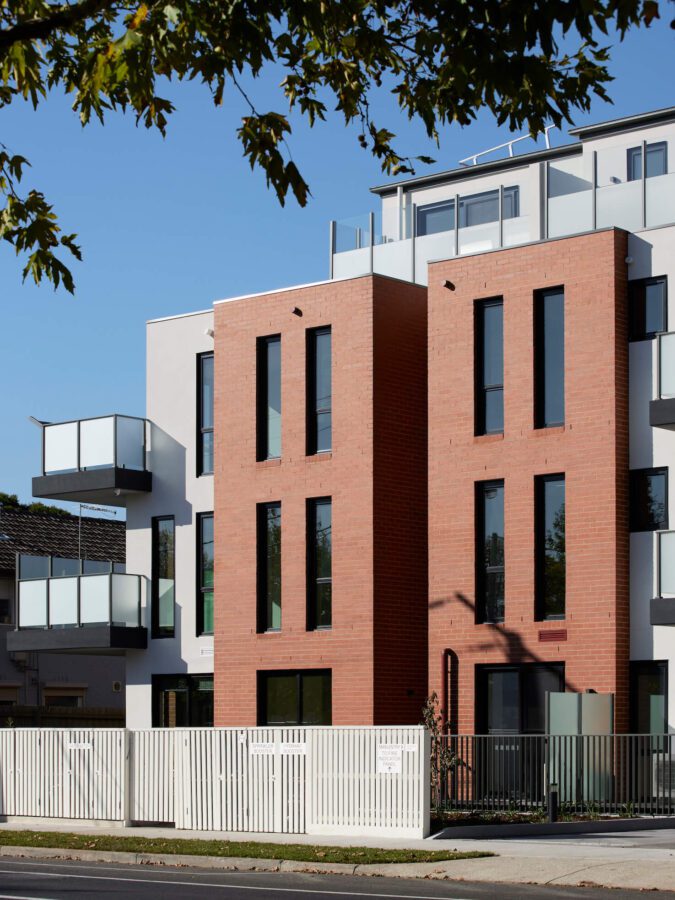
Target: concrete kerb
[(507, 870)]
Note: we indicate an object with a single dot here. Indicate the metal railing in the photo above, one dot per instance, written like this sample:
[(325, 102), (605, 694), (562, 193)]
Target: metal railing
[(79, 601), (631, 774), (103, 442)]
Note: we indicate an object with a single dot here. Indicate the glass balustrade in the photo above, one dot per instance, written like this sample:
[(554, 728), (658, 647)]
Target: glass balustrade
[(666, 364), (666, 542), (100, 443), (84, 600)]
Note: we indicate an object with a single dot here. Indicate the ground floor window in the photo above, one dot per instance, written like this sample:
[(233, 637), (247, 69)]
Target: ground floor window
[(512, 699), (295, 697), (182, 700), (649, 697), (64, 696)]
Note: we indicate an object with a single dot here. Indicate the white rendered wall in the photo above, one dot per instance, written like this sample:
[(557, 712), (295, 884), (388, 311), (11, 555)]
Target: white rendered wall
[(653, 254), (172, 348)]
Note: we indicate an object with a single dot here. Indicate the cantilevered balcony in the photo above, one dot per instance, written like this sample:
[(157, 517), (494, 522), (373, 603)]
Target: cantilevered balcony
[(82, 613), (662, 410), (100, 460), (662, 610)]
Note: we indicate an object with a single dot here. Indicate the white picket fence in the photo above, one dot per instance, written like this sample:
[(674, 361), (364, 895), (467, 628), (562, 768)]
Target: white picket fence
[(369, 781)]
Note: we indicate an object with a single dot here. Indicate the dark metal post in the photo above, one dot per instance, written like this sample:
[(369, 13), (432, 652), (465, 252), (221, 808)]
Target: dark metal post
[(553, 803)]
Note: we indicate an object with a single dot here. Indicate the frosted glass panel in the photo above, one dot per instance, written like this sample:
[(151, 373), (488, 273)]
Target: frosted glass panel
[(97, 443), (660, 200), (476, 238), (94, 599), (516, 231), (130, 443), (60, 447), (570, 214), (667, 364), (125, 600), (32, 604), (620, 205), (63, 601), (667, 557)]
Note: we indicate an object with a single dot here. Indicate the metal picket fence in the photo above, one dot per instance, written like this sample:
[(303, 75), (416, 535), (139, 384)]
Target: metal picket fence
[(609, 773)]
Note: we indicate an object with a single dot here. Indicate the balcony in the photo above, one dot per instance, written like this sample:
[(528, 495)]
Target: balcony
[(662, 610), (662, 410), (630, 186), (81, 613), (100, 460), (399, 246)]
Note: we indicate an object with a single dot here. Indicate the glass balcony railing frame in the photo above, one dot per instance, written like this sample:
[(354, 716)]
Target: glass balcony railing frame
[(659, 367), (115, 417), (110, 623), (660, 535)]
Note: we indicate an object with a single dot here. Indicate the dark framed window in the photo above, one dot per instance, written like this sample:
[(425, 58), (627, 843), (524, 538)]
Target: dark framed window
[(180, 701), (269, 566), (649, 697), (295, 697), (656, 159), (268, 379), (648, 499), (549, 358), (205, 414), (648, 307), (480, 209), (205, 567), (549, 544), (490, 551), (319, 391), (434, 218), (163, 576), (319, 563), (512, 699), (5, 611), (489, 366)]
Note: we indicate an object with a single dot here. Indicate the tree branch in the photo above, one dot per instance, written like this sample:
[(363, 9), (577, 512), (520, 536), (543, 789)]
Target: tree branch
[(62, 17)]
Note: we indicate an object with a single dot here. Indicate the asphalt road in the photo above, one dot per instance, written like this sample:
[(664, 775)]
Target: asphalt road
[(28, 880)]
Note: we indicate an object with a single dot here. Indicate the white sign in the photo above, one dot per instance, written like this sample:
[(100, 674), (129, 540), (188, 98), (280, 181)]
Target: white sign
[(261, 748), (389, 759), (85, 745), (404, 748), (293, 748)]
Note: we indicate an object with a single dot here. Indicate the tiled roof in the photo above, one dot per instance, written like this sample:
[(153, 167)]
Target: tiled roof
[(42, 534)]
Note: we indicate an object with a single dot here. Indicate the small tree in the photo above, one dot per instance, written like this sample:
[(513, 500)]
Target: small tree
[(442, 757)]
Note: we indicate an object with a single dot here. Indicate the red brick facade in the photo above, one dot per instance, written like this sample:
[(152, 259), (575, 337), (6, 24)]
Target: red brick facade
[(591, 449), (375, 474)]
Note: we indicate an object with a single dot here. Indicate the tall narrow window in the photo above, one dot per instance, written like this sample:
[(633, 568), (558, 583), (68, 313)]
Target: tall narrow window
[(205, 568), (319, 390), (269, 397), (490, 551), (549, 358), (648, 306), (649, 697), (319, 563), (269, 566), (163, 576), (205, 415), (550, 546), (489, 366)]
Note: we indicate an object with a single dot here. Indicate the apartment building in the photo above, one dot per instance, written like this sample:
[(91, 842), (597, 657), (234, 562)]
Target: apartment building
[(34, 546), (445, 468)]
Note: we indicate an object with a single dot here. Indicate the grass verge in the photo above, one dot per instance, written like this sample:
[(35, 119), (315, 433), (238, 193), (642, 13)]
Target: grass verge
[(252, 849)]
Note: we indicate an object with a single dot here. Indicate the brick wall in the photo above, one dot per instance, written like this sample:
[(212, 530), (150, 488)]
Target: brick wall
[(591, 449), (358, 313)]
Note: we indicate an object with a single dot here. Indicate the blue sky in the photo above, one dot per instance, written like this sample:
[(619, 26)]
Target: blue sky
[(169, 225)]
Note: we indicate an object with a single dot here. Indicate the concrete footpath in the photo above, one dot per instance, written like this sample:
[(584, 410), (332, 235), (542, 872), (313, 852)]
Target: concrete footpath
[(641, 860)]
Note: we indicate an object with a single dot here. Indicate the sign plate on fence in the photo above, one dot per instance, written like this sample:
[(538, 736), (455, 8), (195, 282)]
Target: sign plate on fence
[(292, 748), (389, 759), (261, 748)]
